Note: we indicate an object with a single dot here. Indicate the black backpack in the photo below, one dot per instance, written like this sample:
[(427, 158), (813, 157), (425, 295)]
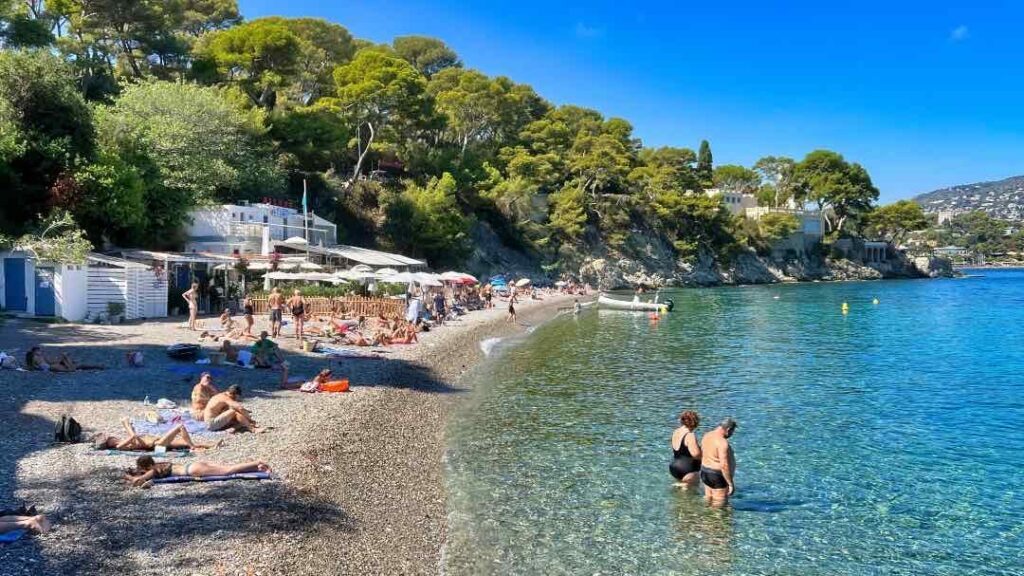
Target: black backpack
[(67, 430)]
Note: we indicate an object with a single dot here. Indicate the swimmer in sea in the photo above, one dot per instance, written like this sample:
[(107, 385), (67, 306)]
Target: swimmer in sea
[(685, 466), (719, 463)]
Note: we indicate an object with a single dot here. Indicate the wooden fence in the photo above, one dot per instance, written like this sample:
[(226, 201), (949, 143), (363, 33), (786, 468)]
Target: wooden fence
[(354, 305)]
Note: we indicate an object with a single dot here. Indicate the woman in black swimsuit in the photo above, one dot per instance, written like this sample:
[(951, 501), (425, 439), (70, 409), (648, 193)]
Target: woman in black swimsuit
[(298, 307), (247, 309), (685, 466)]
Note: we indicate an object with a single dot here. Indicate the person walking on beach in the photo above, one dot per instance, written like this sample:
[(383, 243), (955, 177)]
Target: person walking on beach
[(247, 310), (512, 307), (192, 297), (274, 302), (686, 455), (719, 463), (298, 307)]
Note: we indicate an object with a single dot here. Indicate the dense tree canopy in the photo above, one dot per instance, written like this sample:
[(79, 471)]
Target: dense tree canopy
[(840, 189), (130, 113)]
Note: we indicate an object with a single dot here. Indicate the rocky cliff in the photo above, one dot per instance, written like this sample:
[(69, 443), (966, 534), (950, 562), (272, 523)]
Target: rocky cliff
[(648, 260)]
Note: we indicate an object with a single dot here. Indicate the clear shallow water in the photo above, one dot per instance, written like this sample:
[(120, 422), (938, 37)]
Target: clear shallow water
[(889, 441)]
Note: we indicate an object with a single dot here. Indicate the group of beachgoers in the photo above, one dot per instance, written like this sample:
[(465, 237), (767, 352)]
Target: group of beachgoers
[(710, 461)]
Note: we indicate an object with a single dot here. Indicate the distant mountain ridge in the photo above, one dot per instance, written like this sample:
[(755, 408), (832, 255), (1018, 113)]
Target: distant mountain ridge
[(1000, 199)]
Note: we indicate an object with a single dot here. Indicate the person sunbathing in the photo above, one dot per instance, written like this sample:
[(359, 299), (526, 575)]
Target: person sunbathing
[(313, 385), (201, 394), (35, 359), (224, 411), (356, 339), (405, 335), (38, 524), (227, 323), (176, 438), (147, 470), (229, 351)]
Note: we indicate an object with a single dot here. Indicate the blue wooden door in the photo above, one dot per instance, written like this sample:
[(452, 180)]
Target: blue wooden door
[(45, 302), (14, 284)]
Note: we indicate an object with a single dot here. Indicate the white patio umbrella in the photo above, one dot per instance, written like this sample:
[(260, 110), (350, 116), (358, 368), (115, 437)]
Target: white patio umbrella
[(400, 278), (317, 276), (428, 279), (522, 282), (310, 266), (296, 240), (282, 276), (361, 268), (386, 272)]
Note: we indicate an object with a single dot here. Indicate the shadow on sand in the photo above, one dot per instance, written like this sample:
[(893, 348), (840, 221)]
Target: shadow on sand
[(116, 529)]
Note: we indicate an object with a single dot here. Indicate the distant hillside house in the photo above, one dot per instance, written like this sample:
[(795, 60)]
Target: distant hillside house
[(950, 251), (735, 202), (240, 229)]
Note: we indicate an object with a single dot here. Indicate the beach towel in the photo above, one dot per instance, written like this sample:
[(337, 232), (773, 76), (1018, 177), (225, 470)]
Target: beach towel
[(242, 476), (137, 453), (193, 370), (336, 352), (12, 536), (170, 419)]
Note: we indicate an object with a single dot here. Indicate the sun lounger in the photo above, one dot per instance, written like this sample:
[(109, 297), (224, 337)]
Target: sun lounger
[(242, 476)]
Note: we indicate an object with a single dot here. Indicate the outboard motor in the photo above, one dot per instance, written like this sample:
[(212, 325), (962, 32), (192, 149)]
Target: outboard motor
[(669, 304)]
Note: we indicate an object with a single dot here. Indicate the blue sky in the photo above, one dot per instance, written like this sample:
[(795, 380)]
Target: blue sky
[(923, 94)]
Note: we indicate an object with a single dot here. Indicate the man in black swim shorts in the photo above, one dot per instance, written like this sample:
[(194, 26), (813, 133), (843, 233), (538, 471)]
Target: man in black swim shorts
[(719, 463)]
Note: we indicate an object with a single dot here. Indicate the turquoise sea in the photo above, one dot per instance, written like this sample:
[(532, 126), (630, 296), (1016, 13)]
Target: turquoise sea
[(887, 441)]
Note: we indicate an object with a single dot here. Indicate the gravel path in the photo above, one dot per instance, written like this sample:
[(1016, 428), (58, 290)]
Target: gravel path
[(361, 486)]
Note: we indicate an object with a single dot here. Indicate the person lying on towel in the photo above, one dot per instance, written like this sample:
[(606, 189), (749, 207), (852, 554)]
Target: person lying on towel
[(176, 438), (147, 470), (35, 359), (38, 524)]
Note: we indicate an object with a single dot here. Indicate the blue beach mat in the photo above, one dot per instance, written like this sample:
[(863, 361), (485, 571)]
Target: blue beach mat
[(225, 478), (12, 536), (196, 370)]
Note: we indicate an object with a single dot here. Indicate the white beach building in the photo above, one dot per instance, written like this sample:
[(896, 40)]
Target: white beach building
[(250, 229), (30, 287)]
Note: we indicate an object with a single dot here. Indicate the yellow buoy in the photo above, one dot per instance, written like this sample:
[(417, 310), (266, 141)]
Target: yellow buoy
[(846, 308), (875, 301)]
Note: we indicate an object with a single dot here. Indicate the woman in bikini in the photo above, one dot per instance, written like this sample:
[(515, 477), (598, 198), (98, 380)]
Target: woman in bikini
[(176, 439), (147, 470), (298, 308)]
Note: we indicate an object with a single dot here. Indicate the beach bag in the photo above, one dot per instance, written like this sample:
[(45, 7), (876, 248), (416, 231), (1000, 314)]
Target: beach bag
[(68, 430)]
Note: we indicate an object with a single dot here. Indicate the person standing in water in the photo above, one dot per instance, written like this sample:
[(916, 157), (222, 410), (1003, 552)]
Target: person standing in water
[(576, 308), (719, 463), (686, 454), (192, 297), (274, 304)]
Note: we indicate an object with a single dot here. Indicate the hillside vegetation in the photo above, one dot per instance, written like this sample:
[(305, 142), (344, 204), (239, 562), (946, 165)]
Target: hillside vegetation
[(126, 114)]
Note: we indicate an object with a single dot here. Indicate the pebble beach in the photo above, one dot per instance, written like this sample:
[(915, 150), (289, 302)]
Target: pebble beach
[(358, 488)]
